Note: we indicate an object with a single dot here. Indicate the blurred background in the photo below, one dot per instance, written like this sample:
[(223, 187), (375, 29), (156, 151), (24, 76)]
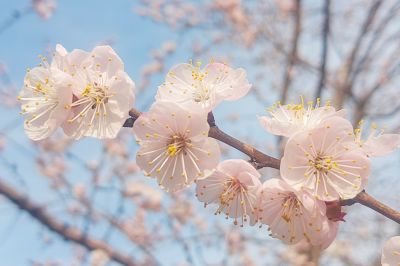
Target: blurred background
[(343, 51)]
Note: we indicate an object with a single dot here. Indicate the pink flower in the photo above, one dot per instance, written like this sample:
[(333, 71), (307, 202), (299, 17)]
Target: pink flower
[(287, 120), (291, 215), (391, 252), (103, 92), (233, 186), (44, 99), (188, 84), (44, 8), (377, 143), (326, 161), (174, 145)]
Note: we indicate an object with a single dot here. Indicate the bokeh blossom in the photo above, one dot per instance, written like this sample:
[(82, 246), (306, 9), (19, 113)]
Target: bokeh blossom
[(44, 8), (188, 84), (233, 186), (326, 161), (391, 252), (174, 145)]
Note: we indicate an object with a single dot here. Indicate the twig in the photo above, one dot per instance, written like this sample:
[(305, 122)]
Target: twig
[(367, 200)]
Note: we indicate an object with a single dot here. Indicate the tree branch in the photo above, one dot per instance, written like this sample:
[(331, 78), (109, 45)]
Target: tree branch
[(324, 53), (367, 200), (292, 57), (66, 232), (346, 85)]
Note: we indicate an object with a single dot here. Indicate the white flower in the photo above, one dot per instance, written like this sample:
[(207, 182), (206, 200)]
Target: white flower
[(326, 161), (188, 84), (233, 186), (391, 252), (174, 145), (287, 120), (103, 92), (45, 99), (377, 143)]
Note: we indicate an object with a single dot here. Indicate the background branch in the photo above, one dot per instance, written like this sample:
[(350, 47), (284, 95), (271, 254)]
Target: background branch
[(68, 233), (324, 53)]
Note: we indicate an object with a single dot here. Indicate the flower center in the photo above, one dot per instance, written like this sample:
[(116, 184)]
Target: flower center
[(176, 144), (232, 187), (93, 99), (234, 192), (323, 163), (291, 206), (201, 93), (97, 93)]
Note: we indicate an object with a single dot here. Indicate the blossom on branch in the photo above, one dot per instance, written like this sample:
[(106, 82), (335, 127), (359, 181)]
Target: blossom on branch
[(187, 84), (233, 186), (326, 161), (391, 252), (287, 120), (174, 145)]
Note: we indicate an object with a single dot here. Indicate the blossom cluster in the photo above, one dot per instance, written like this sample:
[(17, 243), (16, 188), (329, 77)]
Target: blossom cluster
[(173, 134), (84, 93), (325, 159)]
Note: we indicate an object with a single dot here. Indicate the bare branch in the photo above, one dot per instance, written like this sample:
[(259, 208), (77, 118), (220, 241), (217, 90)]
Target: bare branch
[(324, 57), (346, 86), (292, 57), (66, 232)]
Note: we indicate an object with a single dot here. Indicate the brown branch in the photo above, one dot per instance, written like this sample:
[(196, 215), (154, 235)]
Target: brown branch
[(365, 199), (324, 53), (263, 160), (66, 232), (346, 85), (292, 57)]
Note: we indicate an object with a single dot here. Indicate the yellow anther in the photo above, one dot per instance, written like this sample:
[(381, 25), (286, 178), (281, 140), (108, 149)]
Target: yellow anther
[(86, 91), (172, 150)]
